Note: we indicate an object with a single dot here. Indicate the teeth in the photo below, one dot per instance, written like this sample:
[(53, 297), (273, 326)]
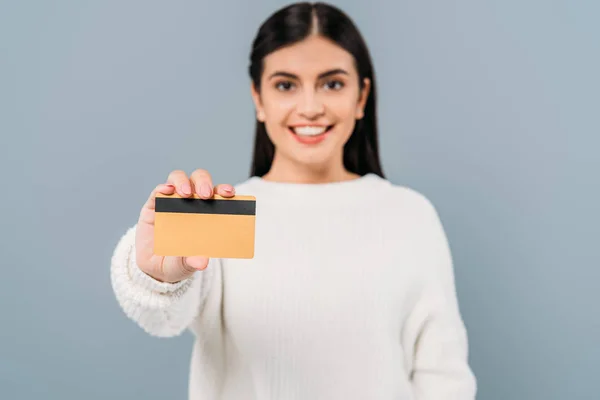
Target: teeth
[(309, 130)]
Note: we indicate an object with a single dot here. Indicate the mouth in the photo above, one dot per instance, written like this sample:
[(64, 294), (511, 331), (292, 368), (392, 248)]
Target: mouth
[(310, 134)]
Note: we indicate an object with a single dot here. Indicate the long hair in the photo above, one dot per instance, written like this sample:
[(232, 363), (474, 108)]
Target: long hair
[(292, 24)]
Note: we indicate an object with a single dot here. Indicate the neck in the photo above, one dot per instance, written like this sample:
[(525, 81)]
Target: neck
[(289, 172)]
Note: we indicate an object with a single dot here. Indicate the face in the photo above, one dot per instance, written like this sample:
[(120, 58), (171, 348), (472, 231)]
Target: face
[(309, 100)]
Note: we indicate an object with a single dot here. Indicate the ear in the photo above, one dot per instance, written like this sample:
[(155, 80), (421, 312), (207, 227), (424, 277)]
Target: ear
[(362, 99), (260, 113)]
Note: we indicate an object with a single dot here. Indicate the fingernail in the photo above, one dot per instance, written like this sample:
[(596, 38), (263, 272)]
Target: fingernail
[(228, 189), (186, 188), (205, 190)]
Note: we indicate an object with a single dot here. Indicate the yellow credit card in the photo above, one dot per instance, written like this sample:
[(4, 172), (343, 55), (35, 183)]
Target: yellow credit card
[(217, 228)]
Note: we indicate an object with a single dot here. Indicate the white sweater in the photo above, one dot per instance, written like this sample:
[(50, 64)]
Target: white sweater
[(350, 296)]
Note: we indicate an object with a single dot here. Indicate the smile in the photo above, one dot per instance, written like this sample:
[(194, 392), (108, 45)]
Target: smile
[(310, 130), (310, 134)]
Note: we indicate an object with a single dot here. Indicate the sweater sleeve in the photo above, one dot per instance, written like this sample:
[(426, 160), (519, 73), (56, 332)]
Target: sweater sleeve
[(440, 368), (160, 308)]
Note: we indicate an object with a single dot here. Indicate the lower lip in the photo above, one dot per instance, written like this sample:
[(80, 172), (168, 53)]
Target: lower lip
[(310, 139)]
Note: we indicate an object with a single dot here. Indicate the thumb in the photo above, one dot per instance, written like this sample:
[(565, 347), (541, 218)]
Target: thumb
[(195, 262)]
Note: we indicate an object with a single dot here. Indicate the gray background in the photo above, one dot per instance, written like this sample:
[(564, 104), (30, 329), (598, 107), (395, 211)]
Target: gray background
[(488, 108)]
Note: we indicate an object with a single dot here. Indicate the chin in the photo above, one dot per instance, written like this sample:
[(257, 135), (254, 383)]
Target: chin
[(314, 159)]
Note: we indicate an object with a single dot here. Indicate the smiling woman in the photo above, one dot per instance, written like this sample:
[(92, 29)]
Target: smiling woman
[(350, 293), (314, 91)]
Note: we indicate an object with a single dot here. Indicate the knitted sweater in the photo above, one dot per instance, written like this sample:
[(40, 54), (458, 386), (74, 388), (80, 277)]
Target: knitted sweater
[(350, 296)]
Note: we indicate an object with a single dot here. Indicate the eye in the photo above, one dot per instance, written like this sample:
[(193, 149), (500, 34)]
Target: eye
[(334, 85), (284, 86)]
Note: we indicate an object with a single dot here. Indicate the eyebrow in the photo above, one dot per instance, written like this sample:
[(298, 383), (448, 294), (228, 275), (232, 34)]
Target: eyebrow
[(321, 76)]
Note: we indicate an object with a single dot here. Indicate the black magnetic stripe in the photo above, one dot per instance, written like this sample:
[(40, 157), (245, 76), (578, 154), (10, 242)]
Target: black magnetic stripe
[(205, 206)]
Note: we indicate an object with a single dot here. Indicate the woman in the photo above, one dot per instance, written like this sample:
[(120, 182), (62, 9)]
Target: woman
[(350, 294)]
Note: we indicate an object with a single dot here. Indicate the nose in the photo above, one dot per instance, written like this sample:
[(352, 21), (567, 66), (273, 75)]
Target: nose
[(310, 105)]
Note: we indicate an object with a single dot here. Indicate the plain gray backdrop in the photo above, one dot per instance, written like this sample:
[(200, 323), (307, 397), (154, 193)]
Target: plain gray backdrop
[(488, 108)]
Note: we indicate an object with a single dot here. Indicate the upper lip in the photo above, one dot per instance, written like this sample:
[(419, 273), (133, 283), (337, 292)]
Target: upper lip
[(310, 125)]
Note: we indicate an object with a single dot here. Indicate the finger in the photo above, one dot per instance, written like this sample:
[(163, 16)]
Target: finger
[(163, 188), (181, 182), (147, 211), (195, 263), (202, 182), (225, 190)]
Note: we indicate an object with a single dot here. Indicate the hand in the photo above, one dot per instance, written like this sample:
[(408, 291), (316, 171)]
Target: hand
[(173, 269)]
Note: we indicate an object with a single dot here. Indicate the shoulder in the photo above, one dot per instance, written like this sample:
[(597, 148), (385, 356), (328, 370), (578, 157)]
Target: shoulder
[(402, 197), (405, 208), (245, 184)]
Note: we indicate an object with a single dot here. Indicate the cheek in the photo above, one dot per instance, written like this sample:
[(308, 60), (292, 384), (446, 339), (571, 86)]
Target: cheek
[(344, 108), (277, 109)]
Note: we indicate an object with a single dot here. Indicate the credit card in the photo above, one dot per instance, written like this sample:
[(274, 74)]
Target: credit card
[(217, 228)]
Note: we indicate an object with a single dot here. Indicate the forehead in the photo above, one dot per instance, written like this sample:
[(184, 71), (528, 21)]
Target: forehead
[(309, 58)]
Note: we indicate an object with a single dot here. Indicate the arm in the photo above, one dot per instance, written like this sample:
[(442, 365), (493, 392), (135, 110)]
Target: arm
[(438, 337), (160, 308)]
